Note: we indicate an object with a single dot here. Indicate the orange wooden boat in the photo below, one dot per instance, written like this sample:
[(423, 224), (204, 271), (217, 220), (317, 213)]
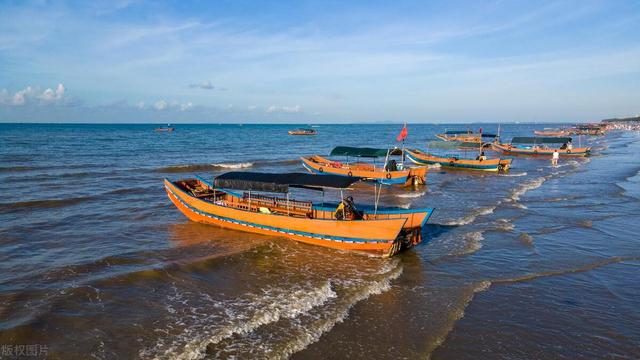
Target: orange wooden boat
[(165, 129), (539, 146), (378, 231), (551, 132), (423, 158), (302, 132), (467, 138), (390, 172)]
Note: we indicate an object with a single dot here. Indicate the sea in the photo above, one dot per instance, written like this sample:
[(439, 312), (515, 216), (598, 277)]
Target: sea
[(542, 262)]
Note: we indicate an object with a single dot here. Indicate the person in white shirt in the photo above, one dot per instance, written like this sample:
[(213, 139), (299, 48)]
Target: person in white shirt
[(555, 157)]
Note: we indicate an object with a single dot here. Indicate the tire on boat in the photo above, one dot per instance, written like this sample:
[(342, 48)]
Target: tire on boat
[(320, 169), (452, 163), (350, 173), (388, 175)]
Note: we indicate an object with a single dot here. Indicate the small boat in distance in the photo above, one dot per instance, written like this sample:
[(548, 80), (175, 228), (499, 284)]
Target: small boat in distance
[(389, 172), (378, 231), (303, 132), (165, 129), (539, 146), (423, 158), (551, 132), (467, 138), (588, 129)]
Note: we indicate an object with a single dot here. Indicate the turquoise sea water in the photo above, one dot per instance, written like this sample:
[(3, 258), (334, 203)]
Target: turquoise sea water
[(541, 262)]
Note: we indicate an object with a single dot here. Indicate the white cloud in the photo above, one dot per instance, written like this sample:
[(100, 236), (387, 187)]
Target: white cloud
[(51, 95), (161, 105), (284, 109), (33, 95), (251, 107), (186, 106)]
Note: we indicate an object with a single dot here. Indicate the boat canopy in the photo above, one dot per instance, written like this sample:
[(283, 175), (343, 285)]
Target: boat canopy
[(270, 182), (363, 152), (454, 132), (540, 140)]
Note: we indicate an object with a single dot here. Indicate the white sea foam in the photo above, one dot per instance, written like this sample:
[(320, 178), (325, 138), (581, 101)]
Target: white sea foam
[(411, 195), (233, 165), (267, 307), (312, 332), (472, 242), (468, 219), (504, 225), (524, 173), (523, 188)]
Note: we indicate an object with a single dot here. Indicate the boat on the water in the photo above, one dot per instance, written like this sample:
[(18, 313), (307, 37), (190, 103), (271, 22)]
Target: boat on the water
[(303, 132), (168, 128), (424, 158), (541, 146), (378, 231), (588, 129), (389, 172), (467, 138), (551, 132)]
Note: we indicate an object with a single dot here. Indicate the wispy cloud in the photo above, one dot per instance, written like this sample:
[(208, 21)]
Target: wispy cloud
[(383, 61), (206, 85), (284, 109)]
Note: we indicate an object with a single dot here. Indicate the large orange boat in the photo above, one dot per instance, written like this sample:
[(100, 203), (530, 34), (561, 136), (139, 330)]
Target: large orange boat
[(378, 231), (390, 172)]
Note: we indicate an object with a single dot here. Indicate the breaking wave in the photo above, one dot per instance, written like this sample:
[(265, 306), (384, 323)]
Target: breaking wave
[(268, 307), (468, 219), (411, 195), (225, 166), (204, 167), (311, 334), (524, 173), (522, 189), (282, 321), (472, 242)]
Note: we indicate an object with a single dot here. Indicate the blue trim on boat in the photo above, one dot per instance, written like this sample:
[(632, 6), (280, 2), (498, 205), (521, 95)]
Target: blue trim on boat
[(446, 164), (272, 228)]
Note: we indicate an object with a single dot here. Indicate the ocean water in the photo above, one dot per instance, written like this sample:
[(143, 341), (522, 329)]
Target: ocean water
[(95, 262)]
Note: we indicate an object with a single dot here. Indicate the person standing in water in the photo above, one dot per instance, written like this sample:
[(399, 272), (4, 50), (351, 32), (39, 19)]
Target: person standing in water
[(555, 157)]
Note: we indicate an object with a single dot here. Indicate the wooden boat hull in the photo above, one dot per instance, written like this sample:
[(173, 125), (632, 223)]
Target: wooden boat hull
[(550, 133), (464, 138), (378, 236), (321, 166), (512, 150), (494, 165)]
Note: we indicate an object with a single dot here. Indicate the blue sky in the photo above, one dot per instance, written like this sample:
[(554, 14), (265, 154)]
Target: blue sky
[(324, 61)]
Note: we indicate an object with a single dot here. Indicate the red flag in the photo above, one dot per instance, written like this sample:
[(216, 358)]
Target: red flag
[(480, 131), (403, 134)]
